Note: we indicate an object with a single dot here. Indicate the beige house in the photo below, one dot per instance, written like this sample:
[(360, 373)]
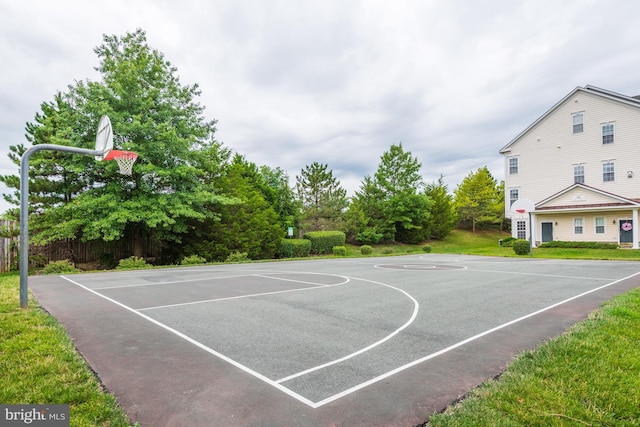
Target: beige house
[(579, 163)]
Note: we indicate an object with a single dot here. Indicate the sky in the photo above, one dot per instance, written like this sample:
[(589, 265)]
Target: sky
[(293, 82)]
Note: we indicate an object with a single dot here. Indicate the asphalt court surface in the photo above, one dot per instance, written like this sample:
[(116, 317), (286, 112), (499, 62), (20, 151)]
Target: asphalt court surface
[(362, 341)]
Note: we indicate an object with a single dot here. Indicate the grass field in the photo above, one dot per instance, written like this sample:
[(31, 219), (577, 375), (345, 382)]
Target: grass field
[(486, 243), (590, 376), (39, 364)]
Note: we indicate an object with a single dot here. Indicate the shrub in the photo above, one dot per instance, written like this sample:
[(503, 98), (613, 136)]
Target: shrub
[(508, 241), (322, 242), (193, 260), (339, 251), (579, 245), (131, 263), (426, 249), (366, 250), (237, 257), (521, 247), (294, 248), (368, 236), (58, 267)]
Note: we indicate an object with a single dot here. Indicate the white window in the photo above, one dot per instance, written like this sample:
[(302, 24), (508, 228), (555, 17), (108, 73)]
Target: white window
[(599, 225), (577, 226), (607, 133), (513, 195), (608, 171), (521, 229), (578, 174), (513, 165), (578, 122)]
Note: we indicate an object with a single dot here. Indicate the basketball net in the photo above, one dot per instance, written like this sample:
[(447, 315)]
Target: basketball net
[(124, 159)]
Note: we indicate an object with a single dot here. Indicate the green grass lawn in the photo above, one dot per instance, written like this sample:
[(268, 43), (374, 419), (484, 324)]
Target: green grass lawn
[(590, 376), (40, 365), (486, 243)]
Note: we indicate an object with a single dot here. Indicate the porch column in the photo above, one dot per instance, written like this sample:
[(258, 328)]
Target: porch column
[(635, 229)]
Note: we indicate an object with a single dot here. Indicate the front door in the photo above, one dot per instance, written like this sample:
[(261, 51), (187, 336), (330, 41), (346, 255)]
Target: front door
[(547, 232), (626, 231)]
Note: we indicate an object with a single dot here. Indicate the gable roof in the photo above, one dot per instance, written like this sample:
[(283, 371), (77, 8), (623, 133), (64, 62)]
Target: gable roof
[(629, 100), (604, 200)]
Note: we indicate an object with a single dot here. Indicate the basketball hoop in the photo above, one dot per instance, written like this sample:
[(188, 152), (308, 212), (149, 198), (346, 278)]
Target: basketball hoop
[(125, 160)]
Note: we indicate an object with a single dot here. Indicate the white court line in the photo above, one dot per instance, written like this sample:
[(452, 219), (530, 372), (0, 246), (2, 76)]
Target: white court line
[(539, 274), (169, 282), (315, 286), (199, 345), (459, 344), (360, 386), (416, 307)]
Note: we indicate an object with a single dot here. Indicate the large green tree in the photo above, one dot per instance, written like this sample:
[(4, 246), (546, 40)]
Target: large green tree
[(479, 200), (174, 181), (281, 196), (443, 211), (393, 199), (323, 201), (251, 225)]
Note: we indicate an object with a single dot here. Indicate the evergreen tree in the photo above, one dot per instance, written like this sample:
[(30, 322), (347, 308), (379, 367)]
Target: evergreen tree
[(281, 196), (323, 201), (393, 201), (249, 226), (443, 212), (478, 200)]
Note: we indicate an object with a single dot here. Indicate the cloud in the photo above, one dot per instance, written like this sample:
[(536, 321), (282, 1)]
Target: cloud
[(292, 83)]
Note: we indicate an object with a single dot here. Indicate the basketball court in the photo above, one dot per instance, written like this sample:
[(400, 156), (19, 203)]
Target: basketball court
[(341, 342)]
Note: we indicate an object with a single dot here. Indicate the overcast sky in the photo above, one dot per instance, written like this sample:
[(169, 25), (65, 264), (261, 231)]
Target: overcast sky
[(338, 82)]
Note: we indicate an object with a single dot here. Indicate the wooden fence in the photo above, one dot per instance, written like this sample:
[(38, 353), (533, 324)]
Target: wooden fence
[(8, 245), (92, 255)]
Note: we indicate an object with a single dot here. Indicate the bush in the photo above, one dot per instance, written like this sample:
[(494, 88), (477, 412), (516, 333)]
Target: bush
[(426, 249), (366, 250), (508, 241), (368, 236), (58, 267), (579, 245), (238, 257), (131, 263), (193, 260), (521, 247), (339, 251), (322, 242)]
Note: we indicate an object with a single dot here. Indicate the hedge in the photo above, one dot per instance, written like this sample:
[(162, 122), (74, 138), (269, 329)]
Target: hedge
[(578, 245), (294, 248), (322, 242)]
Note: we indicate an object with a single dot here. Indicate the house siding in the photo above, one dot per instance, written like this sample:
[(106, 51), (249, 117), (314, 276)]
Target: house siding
[(563, 227), (548, 151)]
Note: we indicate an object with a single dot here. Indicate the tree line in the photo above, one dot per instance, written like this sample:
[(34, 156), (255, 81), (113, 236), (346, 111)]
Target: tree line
[(196, 196)]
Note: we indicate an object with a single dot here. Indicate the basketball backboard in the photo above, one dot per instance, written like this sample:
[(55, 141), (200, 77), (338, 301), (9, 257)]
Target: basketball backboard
[(521, 208), (104, 137)]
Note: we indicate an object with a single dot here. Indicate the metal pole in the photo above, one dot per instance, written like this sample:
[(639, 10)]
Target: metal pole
[(530, 236), (24, 209)]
